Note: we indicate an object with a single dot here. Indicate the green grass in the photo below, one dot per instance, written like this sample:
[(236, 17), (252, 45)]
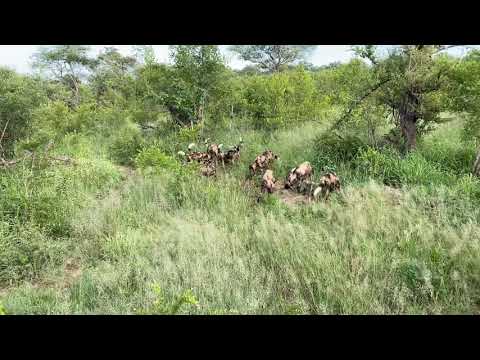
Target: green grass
[(172, 242)]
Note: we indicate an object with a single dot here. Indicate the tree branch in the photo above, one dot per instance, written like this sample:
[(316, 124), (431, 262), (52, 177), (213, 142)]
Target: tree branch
[(357, 102), (444, 47)]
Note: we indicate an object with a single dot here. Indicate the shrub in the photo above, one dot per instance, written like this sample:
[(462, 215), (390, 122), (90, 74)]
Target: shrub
[(25, 251), (153, 157), (388, 166), (188, 134), (125, 144), (19, 97), (457, 157), (49, 122), (282, 99), (331, 150)]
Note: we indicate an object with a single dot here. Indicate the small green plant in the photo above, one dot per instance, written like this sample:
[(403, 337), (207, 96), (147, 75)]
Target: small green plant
[(188, 134), (161, 306)]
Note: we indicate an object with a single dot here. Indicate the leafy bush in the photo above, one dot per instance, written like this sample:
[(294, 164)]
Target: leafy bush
[(125, 144), (47, 197), (282, 99), (331, 150), (453, 157), (49, 122), (153, 157), (188, 134), (19, 97), (25, 251), (388, 166)]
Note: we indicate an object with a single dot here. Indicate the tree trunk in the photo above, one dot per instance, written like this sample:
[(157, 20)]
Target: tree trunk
[(409, 131), (476, 165), (408, 117)]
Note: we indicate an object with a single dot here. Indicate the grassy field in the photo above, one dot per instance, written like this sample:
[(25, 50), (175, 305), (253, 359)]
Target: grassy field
[(402, 237)]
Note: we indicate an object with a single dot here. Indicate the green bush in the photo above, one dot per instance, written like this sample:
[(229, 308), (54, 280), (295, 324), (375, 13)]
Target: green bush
[(330, 150), (50, 122), (454, 157), (391, 168), (19, 97), (48, 197), (153, 157), (283, 99), (126, 144), (25, 250), (187, 135)]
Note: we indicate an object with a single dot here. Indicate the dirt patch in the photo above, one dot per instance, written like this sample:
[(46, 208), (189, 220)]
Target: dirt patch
[(288, 196), (126, 171), (291, 198)]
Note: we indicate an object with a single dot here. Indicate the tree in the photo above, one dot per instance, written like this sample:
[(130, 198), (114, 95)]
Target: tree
[(112, 73), (272, 58), (407, 82), (144, 54), (186, 86), (68, 64), (19, 96)]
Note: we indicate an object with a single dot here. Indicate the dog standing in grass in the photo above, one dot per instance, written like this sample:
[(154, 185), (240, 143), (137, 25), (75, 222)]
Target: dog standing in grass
[(262, 161), (268, 182), (329, 183)]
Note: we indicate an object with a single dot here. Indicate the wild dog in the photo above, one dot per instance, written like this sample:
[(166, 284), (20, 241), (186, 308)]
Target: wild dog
[(263, 161), (208, 169), (329, 182), (298, 175), (214, 150), (232, 155), (199, 156), (268, 182)]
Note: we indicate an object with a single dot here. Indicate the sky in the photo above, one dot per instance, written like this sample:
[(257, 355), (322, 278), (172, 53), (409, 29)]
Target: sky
[(18, 57)]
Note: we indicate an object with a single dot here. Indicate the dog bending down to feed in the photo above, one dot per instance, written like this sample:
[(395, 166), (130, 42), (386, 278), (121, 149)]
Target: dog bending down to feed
[(298, 175)]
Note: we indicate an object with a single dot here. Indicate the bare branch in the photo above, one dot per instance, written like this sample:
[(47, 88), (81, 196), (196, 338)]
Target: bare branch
[(444, 47), (357, 102)]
